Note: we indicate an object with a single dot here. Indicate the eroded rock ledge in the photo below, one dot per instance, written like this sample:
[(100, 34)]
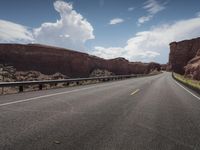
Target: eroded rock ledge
[(49, 60)]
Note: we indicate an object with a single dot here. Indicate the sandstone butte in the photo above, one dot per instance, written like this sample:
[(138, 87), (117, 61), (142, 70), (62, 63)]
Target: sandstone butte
[(49, 60)]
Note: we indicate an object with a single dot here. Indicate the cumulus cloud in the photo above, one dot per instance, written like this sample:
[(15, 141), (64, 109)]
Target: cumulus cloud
[(108, 53), (72, 30), (147, 45), (12, 32), (132, 55), (116, 21), (152, 7)]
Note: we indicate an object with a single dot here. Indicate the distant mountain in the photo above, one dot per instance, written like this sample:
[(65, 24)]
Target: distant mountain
[(49, 60)]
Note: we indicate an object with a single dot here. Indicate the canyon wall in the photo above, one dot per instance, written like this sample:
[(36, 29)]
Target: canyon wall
[(181, 53), (49, 60)]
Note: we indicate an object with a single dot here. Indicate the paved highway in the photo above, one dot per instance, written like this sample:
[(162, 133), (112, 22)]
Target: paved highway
[(150, 113)]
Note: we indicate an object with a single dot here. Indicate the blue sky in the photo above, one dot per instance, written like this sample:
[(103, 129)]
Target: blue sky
[(139, 30)]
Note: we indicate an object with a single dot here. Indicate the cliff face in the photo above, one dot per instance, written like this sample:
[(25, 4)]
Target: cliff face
[(49, 60), (181, 53)]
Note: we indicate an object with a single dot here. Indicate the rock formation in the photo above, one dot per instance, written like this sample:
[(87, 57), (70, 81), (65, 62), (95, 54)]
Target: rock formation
[(181, 53), (164, 67), (192, 69), (49, 60), (10, 74), (101, 73)]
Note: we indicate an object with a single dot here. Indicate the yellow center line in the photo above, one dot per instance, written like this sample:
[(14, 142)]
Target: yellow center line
[(136, 91)]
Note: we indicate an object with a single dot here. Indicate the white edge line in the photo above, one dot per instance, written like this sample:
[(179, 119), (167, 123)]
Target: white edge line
[(44, 96), (188, 91)]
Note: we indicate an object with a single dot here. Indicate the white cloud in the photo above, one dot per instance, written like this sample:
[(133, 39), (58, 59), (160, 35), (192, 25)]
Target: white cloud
[(108, 53), (148, 55), (70, 31), (152, 7), (144, 19), (11, 32), (147, 45), (131, 8), (116, 21), (114, 52)]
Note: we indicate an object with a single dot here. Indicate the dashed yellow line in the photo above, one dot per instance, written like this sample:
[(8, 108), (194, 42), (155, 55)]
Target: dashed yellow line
[(136, 91)]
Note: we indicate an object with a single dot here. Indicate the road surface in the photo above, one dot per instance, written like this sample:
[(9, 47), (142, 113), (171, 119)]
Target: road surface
[(150, 113)]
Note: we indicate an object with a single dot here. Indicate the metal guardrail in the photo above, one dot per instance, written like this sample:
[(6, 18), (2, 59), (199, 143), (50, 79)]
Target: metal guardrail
[(65, 81)]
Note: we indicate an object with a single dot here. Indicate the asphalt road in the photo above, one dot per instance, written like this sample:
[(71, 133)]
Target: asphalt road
[(150, 113)]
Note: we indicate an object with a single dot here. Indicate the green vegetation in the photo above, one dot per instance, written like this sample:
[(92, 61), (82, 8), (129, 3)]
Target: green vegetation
[(188, 81)]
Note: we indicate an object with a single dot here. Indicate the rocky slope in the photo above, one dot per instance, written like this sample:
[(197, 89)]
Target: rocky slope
[(49, 60), (101, 73), (181, 53), (192, 69), (10, 74)]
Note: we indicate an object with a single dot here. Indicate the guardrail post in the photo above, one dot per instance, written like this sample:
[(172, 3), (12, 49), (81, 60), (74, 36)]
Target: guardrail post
[(66, 84), (21, 89), (2, 90), (40, 86)]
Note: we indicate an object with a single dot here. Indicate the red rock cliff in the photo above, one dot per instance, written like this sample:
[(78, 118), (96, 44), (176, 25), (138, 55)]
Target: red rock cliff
[(49, 60), (181, 53)]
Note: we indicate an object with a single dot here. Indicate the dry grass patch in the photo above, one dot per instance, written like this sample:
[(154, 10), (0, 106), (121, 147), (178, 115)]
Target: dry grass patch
[(188, 81)]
